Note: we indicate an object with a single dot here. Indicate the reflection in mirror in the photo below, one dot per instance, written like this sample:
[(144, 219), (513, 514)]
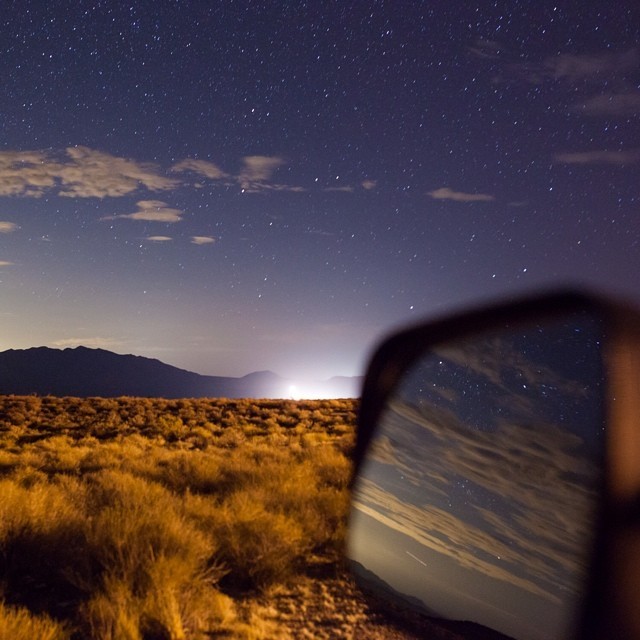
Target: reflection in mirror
[(478, 494)]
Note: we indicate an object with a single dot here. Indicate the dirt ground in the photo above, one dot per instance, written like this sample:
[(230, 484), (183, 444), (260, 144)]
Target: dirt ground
[(329, 606)]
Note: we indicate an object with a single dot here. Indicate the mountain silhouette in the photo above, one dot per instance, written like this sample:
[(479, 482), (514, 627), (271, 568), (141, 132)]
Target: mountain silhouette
[(86, 372)]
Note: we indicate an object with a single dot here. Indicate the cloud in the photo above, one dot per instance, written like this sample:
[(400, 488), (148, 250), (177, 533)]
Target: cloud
[(619, 158), (80, 173), (96, 174), (8, 227), (201, 167), (369, 184), (202, 239), (151, 211), (345, 189), (158, 238), (5, 263), (610, 104), (570, 69), (488, 49), (445, 193), (574, 67), (254, 176), (257, 170), (27, 173)]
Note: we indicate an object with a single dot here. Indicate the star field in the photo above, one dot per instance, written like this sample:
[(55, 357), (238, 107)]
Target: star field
[(239, 186)]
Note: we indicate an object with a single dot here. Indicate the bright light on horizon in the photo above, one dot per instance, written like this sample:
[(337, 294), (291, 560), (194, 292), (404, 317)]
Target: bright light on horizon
[(311, 391), (293, 392)]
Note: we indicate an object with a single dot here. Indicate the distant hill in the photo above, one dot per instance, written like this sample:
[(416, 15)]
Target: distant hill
[(88, 372)]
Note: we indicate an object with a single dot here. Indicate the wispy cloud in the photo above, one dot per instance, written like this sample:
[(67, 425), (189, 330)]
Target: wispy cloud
[(586, 72), (79, 172), (158, 238), (572, 68), (575, 67), (345, 189), (260, 168), (201, 167), (8, 227), (610, 104), (489, 49), (368, 185), (202, 239), (619, 158), (445, 193), (257, 171), (96, 174), (254, 176), (5, 263), (151, 211)]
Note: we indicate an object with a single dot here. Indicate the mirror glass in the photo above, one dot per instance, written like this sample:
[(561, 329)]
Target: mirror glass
[(477, 498)]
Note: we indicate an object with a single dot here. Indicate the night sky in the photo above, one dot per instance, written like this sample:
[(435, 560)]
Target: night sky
[(238, 186)]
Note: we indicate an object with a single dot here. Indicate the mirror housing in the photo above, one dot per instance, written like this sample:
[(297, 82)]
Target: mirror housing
[(607, 600)]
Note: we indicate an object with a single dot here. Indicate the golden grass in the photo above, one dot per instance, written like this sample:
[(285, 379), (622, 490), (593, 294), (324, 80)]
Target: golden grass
[(137, 519)]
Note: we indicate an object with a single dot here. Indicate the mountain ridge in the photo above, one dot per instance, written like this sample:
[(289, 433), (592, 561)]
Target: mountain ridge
[(84, 372)]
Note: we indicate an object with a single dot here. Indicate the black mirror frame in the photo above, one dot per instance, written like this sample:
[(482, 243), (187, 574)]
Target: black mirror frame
[(611, 603)]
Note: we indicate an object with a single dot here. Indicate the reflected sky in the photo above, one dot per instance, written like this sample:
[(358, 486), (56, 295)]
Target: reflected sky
[(479, 491)]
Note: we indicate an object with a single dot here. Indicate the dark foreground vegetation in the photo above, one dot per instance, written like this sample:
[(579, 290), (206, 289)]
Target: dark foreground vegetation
[(149, 519)]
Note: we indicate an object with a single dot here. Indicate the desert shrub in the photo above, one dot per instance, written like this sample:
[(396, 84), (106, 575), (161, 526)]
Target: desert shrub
[(201, 437), (112, 613), (180, 471), (171, 428), (18, 623), (174, 606), (8, 461), (105, 456), (262, 547), (41, 531), (134, 522), (115, 539)]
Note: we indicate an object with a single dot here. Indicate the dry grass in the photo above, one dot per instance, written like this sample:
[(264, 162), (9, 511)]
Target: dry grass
[(142, 519)]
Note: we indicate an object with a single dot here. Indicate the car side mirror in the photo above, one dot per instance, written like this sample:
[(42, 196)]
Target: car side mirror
[(497, 485)]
